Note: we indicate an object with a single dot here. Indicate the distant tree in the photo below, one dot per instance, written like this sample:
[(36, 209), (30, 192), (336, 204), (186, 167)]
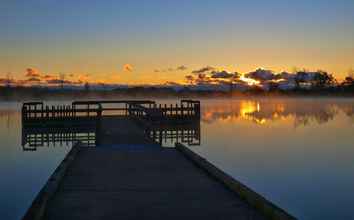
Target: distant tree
[(235, 78), (62, 79), (87, 87), (323, 79), (103, 85), (300, 77), (317, 80), (349, 80), (8, 80), (351, 73)]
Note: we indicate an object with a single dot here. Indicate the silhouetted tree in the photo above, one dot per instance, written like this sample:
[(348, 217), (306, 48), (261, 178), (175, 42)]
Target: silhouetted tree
[(301, 77), (323, 79), (348, 83), (87, 87), (317, 80), (62, 79), (8, 80)]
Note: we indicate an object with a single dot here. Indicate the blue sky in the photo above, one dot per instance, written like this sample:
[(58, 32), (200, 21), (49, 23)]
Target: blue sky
[(98, 37)]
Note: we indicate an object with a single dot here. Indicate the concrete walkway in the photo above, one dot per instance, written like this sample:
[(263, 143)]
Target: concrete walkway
[(108, 183)]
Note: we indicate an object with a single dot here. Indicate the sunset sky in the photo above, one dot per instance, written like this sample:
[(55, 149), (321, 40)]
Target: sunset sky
[(154, 41)]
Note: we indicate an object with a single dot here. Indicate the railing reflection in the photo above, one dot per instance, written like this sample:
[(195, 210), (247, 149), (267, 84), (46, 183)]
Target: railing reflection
[(55, 134), (34, 137), (186, 133)]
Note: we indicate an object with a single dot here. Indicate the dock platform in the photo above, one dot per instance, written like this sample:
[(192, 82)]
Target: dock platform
[(108, 183), (124, 172)]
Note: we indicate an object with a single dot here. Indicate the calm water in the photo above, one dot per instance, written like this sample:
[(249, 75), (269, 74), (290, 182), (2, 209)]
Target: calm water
[(298, 153)]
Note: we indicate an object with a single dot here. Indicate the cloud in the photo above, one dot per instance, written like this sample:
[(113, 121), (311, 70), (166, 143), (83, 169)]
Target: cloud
[(285, 76), (182, 68), (209, 75), (31, 72), (128, 67), (5, 81), (47, 77), (203, 79), (261, 75), (33, 79), (55, 81), (189, 78), (170, 83), (83, 77), (59, 81), (203, 70), (223, 75), (170, 69)]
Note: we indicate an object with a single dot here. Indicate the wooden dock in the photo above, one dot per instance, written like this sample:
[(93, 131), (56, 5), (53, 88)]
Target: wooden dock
[(144, 184), (129, 175)]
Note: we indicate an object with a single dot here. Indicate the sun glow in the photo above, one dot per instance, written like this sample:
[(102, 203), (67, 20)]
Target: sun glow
[(249, 81), (248, 108)]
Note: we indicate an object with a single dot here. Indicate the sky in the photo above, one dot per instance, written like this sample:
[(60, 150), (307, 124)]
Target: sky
[(148, 41)]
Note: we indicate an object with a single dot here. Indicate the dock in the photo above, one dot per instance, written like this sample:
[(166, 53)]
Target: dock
[(123, 171)]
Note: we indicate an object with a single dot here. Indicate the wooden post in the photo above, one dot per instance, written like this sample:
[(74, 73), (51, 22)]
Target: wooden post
[(23, 113), (182, 110), (35, 111), (197, 110), (42, 111), (53, 111), (47, 112)]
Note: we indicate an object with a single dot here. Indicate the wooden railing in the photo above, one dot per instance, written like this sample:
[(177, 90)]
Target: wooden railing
[(37, 111), (135, 109), (184, 110)]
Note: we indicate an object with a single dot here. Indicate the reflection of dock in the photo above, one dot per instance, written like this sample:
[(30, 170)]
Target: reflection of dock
[(128, 175), (110, 123)]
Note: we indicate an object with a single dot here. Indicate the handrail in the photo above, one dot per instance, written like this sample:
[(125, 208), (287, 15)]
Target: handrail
[(114, 102), (136, 109)]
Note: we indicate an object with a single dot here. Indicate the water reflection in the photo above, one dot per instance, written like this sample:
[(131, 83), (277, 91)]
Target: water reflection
[(8, 118), (66, 133), (252, 140), (266, 111), (33, 138), (167, 135), (260, 112), (25, 172)]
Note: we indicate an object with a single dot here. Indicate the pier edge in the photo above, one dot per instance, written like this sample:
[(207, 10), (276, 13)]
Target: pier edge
[(38, 206), (264, 206)]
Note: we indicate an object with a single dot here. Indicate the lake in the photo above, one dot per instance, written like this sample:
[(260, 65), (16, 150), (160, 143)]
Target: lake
[(296, 152)]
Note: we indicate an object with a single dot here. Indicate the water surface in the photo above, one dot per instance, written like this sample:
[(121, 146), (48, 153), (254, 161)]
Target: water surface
[(298, 153)]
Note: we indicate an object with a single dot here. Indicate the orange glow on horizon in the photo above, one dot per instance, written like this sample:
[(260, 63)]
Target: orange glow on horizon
[(249, 81), (247, 110)]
